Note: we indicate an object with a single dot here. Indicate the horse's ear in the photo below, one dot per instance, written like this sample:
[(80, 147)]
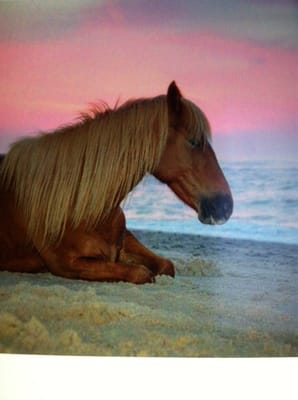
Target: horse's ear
[(174, 97)]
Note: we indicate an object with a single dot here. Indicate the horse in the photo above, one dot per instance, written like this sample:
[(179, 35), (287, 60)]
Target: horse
[(61, 192)]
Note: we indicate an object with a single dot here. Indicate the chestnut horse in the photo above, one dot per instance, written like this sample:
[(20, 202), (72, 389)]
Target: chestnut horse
[(60, 192)]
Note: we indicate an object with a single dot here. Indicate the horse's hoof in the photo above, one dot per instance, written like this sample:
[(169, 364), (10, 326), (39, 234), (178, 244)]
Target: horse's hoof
[(166, 268), (142, 275)]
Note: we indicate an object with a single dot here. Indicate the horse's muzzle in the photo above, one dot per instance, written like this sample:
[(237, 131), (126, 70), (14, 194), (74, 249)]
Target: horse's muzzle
[(215, 210)]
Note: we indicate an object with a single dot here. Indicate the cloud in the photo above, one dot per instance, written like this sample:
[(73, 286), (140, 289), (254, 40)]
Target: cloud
[(29, 20), (265, 22)]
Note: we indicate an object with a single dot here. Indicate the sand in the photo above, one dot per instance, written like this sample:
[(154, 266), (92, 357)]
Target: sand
[(230, 298)]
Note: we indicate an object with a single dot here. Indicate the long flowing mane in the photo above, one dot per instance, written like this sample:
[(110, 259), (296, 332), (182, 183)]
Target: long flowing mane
[(79, 173)]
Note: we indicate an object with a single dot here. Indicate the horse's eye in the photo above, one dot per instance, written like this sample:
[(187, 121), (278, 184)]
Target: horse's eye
[(194, 143)]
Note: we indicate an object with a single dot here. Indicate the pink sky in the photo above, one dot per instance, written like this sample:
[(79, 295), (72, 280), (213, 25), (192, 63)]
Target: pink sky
[(242, 75)]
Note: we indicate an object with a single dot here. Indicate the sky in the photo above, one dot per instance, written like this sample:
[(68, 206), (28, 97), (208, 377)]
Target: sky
[(236, 59)]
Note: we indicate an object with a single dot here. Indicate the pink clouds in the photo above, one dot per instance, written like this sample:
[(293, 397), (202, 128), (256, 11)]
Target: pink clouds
[(241, 85), (249, 88)]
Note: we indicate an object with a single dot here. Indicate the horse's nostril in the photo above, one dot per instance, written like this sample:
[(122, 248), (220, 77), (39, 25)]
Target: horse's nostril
[(216, 209), (228, 205)]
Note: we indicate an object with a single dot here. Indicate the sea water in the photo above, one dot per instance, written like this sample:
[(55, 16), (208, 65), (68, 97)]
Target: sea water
[(265, 204)]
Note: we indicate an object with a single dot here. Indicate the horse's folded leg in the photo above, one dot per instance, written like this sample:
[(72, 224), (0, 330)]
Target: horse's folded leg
[(165, 267), (23, 264), (135, 252), (101, 271)]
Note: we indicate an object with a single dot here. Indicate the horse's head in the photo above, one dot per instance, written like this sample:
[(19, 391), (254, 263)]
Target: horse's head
[(188, 164)]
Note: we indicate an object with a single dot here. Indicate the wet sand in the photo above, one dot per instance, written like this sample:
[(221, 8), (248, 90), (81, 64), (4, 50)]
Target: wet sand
[(230, 298)]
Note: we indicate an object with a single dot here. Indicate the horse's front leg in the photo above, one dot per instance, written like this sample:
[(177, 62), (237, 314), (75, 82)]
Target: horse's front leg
[(88, 256), (135, 252)]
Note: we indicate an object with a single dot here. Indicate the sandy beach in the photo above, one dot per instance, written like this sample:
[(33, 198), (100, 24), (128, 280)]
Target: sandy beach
[(230, 298)]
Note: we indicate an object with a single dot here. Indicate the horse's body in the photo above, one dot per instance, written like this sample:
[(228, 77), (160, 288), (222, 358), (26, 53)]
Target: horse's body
[(60, 193)]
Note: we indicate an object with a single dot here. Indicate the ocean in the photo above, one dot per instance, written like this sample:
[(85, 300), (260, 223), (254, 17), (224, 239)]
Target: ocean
[(265, 204)]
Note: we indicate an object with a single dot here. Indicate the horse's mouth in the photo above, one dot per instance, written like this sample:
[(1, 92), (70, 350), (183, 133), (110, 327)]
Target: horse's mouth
[(211, 221), (215, 210)]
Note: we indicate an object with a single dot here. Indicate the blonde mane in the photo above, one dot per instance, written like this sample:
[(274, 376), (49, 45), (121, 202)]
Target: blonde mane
[(80, 173)]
